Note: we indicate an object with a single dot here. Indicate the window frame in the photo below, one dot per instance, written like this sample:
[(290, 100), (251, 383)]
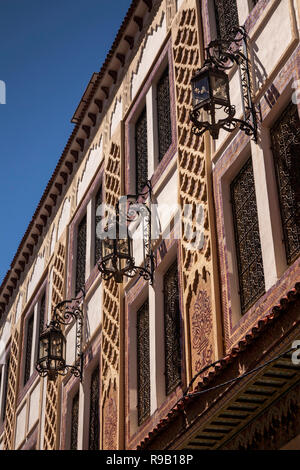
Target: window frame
[(77, 288), (244, 308), (147, 413), (289, 258), (147, 96), (170, 387), (33, 312), (4, 386)]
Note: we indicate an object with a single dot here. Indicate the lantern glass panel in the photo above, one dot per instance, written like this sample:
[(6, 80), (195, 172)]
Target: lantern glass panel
[(200, 87), (107, 248), (123, 247), (219, 85), (44, 347), (57, 345)]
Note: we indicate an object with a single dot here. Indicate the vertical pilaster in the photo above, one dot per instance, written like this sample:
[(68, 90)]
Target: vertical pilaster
[(199, 313)]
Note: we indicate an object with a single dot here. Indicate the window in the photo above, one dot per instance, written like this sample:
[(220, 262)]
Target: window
[(163, 114), (81, 255), (143, 363), (28, 351), (34, 325), (141, 151), (74, 422), (285, 136), (5, 386), (150, 125), (172, 329), (98, 202), (94, 425), (42, 315), (226, 14), (247, 239)]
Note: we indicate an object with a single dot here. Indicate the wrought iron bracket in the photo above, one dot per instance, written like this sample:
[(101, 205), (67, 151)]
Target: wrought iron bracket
[(135, 204), (224, 54), (64, 313), (147, 270)]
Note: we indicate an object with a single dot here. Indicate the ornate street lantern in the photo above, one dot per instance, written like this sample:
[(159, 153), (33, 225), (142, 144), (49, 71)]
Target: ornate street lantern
[(52, 351), (212, 109), (115, 252), (211, 99), (51, 360), (116, 242)]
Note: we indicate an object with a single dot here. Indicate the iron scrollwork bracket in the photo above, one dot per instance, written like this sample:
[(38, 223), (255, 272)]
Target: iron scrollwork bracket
[(138, 206), (224, 54), (64, 313)]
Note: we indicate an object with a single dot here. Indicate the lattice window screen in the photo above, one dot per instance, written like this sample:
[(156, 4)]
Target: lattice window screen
[(226, 14), (11, 394), (81, 255), (164, 114), (29, 338), (94, 424), (285, 136), (248, 247), (172, 329), (98, 202), (74, 422), (42, 314), (141, 151), (143, 363), (5, 378)]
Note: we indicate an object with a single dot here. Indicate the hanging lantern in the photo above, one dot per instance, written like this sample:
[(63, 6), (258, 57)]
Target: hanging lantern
[(211, 100), (52, 351), (212, 109), (116, 244), (115, 252), (51, 360)]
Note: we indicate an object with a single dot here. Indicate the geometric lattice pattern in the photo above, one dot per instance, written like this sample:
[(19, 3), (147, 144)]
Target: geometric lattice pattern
[(285, 136), (51, 417), (74, 422), (94, 424), (163, 114), (110, 353), (110, 329), (11, 396), (172, 329), (246, 230), (192, 171), (226, 15), (98, 202), (143, 362), (81, 255), (141, 152)]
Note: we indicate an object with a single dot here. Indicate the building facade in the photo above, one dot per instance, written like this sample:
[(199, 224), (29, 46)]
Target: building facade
[(200, 358)]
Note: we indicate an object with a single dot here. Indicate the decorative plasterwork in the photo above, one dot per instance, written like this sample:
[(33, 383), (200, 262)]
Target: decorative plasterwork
[(64, 218), (149, 50), (179, 3), (52, 240), (92, 162), (19, 307), (116, 115), (35, 275)]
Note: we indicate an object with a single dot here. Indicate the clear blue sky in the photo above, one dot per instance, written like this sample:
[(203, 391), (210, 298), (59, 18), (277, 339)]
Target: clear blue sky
[(48, 52)]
